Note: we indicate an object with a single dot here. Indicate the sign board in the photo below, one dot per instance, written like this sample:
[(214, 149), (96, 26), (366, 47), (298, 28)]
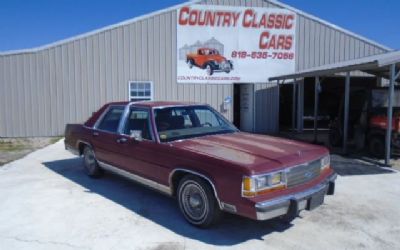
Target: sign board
[(223, 44)]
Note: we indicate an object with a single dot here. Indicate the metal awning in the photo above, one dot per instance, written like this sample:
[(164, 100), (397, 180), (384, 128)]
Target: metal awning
[(378, 65), (386, 65)]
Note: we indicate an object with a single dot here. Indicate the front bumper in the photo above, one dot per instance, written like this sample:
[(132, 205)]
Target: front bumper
[(291, 205), (224, 66)]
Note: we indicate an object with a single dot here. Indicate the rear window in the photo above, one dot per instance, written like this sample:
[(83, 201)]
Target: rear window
[(110, 121)]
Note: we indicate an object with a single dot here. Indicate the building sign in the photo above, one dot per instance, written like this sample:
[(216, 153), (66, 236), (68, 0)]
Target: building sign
[(220, 44)]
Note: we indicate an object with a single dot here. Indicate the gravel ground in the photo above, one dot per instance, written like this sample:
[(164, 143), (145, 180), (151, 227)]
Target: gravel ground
[(47, 202)]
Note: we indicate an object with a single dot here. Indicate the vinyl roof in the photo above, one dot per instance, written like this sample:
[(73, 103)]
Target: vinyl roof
[(377, 65)]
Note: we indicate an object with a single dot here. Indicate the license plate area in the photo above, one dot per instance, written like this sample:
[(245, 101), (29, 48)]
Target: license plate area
[(316, 200)]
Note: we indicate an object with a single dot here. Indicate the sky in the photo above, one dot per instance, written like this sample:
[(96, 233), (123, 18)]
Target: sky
[(32, 23)]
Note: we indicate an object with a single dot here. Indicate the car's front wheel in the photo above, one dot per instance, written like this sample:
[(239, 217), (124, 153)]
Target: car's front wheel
[(197, 202), (209, 69), (91, 166)]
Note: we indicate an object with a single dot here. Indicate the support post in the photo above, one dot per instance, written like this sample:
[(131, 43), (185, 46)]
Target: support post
[(390, 114), (316, 101), (294, 106), (300, 105), (346, 111)]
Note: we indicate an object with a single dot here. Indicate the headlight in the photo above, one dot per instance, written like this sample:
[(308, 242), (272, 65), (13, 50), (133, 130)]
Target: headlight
[(260, 184), (325, 163)]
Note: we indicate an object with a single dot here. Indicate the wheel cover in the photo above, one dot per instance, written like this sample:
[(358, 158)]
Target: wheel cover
[(90, 161), (194, 201), (208, 69)]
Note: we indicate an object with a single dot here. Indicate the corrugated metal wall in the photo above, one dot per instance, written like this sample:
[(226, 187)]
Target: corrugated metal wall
[(40, 92)]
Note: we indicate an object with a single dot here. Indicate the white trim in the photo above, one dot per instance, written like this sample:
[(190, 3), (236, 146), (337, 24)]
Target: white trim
[(96, 31), (331, 25), (144, 97), (175, 7), (139, 179)]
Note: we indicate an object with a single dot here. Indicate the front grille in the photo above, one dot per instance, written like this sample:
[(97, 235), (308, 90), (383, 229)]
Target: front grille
[(303, 173)]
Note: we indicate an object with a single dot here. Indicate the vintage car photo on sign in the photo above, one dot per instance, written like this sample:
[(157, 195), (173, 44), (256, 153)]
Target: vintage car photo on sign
[(191, 152), (210, 60)]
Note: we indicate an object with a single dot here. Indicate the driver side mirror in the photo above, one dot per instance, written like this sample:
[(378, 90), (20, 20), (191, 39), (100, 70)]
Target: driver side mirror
[(136, 135)]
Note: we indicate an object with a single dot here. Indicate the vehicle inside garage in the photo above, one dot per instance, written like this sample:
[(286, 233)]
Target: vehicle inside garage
[(367, 116)]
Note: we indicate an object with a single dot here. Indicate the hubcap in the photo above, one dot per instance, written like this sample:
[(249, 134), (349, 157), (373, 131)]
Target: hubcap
[(194, 201), (209, 70), (90, 161)]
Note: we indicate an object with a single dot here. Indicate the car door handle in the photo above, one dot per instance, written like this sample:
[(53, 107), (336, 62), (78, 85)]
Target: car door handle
[(95, 134), (122, 140)]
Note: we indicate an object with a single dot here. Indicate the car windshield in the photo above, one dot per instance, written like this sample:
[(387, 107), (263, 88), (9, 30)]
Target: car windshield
[(176, 123)]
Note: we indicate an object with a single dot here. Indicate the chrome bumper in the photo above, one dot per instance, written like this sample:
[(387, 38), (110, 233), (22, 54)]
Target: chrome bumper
[(293, 203)]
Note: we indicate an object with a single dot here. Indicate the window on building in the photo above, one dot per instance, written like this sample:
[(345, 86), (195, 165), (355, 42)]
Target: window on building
[(140, 91)]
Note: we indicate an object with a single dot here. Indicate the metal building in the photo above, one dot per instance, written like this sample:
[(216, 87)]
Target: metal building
[(44, 88)]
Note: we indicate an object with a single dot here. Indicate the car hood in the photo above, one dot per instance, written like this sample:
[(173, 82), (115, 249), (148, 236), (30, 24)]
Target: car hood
[(257, 153)]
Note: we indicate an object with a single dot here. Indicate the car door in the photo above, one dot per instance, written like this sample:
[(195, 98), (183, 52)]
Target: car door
[(140, 156), (105, 135)]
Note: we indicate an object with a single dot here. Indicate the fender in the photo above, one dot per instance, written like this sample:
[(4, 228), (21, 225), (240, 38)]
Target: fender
[(171, 185)]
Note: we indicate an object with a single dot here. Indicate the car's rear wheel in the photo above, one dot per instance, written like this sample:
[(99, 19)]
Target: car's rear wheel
[(91, 166), (197, 202)]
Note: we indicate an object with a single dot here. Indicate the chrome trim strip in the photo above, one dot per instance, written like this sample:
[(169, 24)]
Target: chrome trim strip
[(123, 119), (146, 182), (198, 174)]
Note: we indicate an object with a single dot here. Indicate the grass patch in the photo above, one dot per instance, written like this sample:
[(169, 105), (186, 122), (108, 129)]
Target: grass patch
[(10, 146), (55, 139)]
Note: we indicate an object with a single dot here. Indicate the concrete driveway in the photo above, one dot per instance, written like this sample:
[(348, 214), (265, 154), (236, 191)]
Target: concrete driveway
[(47, 202)]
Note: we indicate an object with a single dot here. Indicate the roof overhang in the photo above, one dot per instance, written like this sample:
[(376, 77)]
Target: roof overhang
[(378, 65)]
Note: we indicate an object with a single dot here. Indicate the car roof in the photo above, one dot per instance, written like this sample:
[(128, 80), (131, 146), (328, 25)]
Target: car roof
[(156, 104), (207, 49)]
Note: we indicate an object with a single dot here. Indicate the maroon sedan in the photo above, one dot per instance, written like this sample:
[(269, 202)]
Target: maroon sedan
[(193, 153)]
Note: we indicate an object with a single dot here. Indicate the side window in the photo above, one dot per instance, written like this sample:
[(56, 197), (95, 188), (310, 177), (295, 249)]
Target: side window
[(206, 117), (138, 120), (111, 120)]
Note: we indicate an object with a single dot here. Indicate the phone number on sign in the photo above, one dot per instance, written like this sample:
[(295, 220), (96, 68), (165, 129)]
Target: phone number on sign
[(263, 55)]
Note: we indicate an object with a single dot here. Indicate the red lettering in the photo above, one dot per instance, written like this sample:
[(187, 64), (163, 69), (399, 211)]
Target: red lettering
[(289, 42), (264, 40), (289, 22), (264, 21), (193, 17), (183, 20), (271, 21), (278, 21), (227, 20), (281, 42), (247, 13)]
